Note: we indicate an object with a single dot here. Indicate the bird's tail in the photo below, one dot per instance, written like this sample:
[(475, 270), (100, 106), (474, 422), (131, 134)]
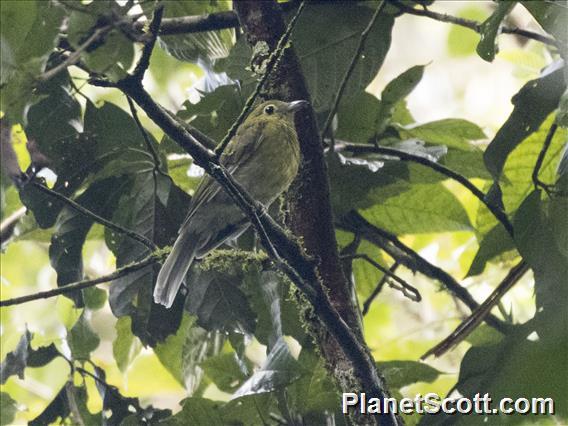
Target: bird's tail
[(174, 269)]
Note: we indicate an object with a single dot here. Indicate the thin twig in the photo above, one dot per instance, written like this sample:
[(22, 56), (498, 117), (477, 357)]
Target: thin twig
[(541, 155), (80, 285), (408, 290), (86, 212), (474, 25), (354, 222), (466, 327), (271, 65), (149, 145), (367, 303), (499, 214), (354, 60), (74, 57)]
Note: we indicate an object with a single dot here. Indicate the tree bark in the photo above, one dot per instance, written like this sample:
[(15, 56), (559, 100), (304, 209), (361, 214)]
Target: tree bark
[(310, 216)]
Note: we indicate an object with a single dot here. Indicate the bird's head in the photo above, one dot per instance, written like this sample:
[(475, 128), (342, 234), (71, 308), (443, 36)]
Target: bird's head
[(278, 110)]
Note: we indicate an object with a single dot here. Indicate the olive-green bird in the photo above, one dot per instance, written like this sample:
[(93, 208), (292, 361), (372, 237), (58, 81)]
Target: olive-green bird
[(263, 157)]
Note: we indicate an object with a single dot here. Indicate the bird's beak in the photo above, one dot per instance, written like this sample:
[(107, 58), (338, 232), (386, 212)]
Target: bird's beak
[(297, 105)]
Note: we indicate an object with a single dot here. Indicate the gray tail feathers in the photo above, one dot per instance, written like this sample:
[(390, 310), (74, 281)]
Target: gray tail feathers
[(174, 269)]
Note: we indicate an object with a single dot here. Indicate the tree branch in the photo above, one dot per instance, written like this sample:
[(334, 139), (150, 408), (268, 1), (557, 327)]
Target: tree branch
[(80, 285), (474, 25), (499, 214), (354, 222), (477, 316)]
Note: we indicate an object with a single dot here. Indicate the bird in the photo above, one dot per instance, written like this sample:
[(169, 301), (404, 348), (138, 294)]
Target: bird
[(264, 157)]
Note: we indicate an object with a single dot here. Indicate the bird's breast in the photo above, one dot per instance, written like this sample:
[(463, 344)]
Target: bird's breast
[(276, 165)]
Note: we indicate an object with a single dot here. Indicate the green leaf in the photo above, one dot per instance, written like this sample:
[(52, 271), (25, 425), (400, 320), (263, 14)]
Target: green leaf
[(395, 91), (29, 31), (277, 314), (484, 335), (357, 118), (16, 361), (215, 112), (325, 55), (347, 193), (71, 229), (183, 353), (8, 409), (215, 298), (403, 373), (535, 232), (57, 408), (467, 163), (226, 371), (250, 410), (24, 356), (495, 242), (366, 275), (489, 29), (552, 16), (113, 55), (462, 41), (562, 115), (119, 409), (279, 370), (141, 210), (82, 339), (126, 346), (517, 172), (199, 412), (314, 393), (421, 209), (514, 368), (95, 298), (118, 146), (54, 124), (533, 103), (452, 132)]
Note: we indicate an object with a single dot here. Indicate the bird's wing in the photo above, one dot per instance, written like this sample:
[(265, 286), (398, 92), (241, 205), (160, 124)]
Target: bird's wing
[(237, 152)]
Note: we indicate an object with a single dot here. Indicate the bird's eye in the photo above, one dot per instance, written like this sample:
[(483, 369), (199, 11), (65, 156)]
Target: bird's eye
[(269, 109)]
